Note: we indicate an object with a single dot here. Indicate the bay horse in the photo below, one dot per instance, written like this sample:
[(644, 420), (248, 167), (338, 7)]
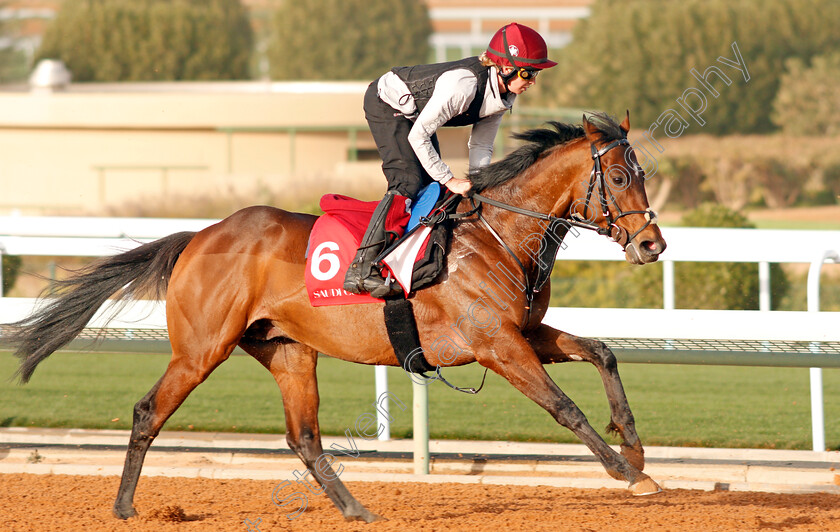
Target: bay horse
[(241, 282)]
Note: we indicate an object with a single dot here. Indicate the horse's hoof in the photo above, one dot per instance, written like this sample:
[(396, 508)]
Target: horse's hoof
[(372, 517), (645, 487), (366, 516), (124, 513)]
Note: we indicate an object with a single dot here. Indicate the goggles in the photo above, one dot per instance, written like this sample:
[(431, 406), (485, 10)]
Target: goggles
[(527, 73)]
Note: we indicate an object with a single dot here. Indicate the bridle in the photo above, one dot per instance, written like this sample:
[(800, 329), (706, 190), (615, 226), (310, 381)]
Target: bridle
[(596, 179), (596, 183)]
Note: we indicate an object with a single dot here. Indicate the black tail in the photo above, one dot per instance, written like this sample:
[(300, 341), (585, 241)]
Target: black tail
[(143, 271)]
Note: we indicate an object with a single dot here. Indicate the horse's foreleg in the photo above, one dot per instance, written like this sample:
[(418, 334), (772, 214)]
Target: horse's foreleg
[(553, 346), (151, 412), (293, 367), (520, 365)]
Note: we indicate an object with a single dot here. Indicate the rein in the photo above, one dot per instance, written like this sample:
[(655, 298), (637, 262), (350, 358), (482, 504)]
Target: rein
[(615, 233), (596, 181)]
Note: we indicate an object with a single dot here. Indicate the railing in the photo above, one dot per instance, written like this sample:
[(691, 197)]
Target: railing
[(758, 338)]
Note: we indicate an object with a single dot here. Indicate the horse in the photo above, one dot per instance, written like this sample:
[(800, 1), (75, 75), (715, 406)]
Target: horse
[(240, 282)]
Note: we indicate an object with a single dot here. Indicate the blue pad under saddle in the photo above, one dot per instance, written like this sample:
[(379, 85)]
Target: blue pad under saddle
[(424, 204)]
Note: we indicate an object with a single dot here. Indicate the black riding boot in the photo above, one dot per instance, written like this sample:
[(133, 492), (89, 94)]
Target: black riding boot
[(362, 275)]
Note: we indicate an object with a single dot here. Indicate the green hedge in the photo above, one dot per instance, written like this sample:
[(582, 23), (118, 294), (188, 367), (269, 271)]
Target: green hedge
[(151, 40), (722, 285), (13, 61)]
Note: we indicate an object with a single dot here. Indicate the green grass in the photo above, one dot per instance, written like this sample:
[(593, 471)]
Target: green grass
[(674, 405)]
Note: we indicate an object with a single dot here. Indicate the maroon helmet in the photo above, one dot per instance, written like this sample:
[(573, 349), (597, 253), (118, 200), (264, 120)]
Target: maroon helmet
[(520, 47)]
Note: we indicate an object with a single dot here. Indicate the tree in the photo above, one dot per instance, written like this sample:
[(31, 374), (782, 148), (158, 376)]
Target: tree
[(150, 40), (13, 62), (11, 268), (347, 39), (639, 55), (808, 102)]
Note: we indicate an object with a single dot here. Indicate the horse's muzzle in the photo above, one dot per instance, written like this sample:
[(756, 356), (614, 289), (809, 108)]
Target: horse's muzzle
[(644, 251)]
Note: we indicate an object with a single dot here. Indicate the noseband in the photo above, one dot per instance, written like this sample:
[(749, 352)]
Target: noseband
[(596, 180)]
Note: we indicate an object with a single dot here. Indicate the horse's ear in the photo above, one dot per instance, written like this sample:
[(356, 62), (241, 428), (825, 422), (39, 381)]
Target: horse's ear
[(625, 124), (590, 130)]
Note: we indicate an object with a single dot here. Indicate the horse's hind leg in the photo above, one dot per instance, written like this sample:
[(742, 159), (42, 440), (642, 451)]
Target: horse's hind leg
[(553, 346), (293, 367), (520, 365), (151, 412)]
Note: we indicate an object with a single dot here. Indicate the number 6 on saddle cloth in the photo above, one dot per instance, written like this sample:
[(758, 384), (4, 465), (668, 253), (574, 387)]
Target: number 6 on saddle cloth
[(414, 260)]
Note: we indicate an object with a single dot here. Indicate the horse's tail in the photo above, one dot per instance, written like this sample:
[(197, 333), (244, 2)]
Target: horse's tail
[(142, 271)]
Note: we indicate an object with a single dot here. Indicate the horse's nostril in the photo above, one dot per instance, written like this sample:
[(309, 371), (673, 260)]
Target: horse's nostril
[(651, 247)]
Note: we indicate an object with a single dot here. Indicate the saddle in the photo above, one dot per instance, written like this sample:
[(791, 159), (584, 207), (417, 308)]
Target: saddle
[(414, 260)]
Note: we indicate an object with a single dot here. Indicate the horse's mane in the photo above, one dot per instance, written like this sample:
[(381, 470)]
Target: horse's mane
[(538, 142)]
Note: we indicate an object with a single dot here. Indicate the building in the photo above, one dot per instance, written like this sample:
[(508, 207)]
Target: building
[(464, 27), (97, 146)]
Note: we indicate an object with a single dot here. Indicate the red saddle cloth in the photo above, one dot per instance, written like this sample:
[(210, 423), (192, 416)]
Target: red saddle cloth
[(333, 244)]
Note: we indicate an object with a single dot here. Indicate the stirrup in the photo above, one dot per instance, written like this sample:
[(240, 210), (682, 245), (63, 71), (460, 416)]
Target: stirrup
[(384, 287), (376, 286)]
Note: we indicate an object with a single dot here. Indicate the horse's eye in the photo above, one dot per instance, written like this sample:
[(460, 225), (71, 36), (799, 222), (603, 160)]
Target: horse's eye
[(618, 178)]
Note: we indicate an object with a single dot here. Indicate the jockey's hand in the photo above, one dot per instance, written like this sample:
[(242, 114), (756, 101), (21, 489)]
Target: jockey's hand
[(459, 186)]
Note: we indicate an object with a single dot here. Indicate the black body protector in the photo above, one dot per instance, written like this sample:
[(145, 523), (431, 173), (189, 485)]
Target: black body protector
[(421, 80)]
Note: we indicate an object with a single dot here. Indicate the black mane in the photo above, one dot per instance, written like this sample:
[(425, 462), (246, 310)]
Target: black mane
[(540, 141)]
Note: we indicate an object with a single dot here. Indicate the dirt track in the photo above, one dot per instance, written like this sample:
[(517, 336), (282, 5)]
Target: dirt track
[(60, 502)]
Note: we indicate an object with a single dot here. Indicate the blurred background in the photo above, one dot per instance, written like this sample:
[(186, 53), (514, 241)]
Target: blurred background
[(196, 108)]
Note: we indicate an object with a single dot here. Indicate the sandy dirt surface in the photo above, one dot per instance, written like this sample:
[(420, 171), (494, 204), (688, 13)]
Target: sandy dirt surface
[(61, 502)]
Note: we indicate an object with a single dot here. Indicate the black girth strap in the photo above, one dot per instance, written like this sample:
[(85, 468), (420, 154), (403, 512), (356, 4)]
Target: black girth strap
[(402, 331)]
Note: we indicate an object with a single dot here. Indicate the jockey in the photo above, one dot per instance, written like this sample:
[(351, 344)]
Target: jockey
[(405, 107)]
